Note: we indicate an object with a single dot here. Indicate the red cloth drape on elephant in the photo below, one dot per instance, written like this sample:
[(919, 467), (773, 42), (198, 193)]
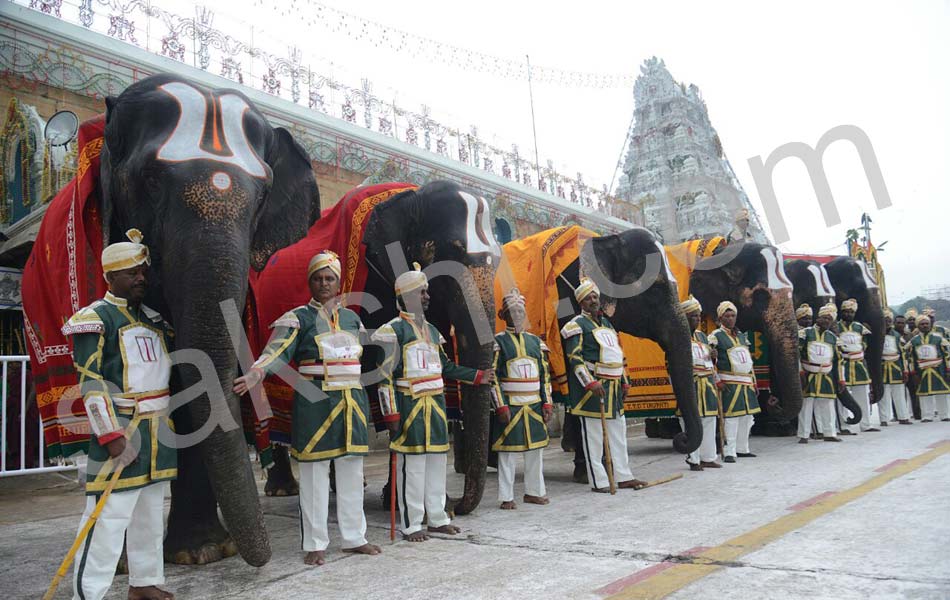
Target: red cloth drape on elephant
[(282, 285), (62, 275)]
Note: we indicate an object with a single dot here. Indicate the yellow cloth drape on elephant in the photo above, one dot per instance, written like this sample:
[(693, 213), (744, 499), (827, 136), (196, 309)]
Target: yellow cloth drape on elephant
[(534, 263)]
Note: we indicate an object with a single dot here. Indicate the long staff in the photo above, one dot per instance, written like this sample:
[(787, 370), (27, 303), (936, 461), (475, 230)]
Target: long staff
[(392, 497), (610, 462), (64, 566)]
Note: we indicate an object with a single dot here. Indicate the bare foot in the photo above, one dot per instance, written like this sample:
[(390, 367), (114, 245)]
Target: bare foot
[(418, 536), (508, 505), (367, 548), (635, 484), (149, 593), (542, 500), (316, 558), (446, 529)]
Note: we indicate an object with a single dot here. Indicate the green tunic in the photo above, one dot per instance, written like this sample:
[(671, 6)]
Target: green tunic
[(325, 344), (594, 354), (121, 355), (704, 374), (522, 387), (820, 362), (852, 344), (928, 354), (411, 391), (734, 364), (895, 364)]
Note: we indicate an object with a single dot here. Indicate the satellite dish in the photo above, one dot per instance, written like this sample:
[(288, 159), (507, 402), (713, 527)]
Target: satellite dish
[(61, 128)]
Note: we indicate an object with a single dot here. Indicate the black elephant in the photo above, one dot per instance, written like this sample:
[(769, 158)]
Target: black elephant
[(446, 228), (639, 295), (216, 190), (851, 278), (753, 277)]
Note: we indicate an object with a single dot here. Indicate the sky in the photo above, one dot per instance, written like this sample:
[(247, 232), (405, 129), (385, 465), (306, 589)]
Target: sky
[(770, 73)]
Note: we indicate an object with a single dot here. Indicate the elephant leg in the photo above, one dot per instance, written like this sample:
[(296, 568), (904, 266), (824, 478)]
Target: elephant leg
[(458, 447), (280, 477), (195, 534), (572, 423)]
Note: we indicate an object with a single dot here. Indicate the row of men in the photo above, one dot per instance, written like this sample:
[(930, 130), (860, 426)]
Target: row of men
[(121, 354), (832, 357)]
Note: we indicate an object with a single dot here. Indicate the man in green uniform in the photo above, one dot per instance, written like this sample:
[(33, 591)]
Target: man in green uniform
[(707, 395), (597, 382), (413, 406), (895, 375), (928, 354), (821, 372), (938, 329), (910, 330), (330, 408), (851, 344), (803, 314), (736, 382), (522, 403), (120, 348)]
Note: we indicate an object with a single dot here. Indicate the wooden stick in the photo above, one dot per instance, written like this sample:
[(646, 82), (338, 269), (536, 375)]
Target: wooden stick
[(392, 497), (64, 566), (610, 462), (662, 480)]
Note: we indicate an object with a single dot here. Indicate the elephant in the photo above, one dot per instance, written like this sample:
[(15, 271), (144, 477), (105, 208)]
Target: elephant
[(446, 228), (752, 276), (811, 284), (851, 278), (216, 190), (639, 295)]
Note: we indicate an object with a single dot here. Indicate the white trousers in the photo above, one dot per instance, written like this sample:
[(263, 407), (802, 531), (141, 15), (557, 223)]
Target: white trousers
[(315, 503), (861, 395), (943, 406), (894, 401), (533, 474), (135, 516), (592, 436), (707, 449), (928, 406), (823, 410), (737, 435), (420, 483)]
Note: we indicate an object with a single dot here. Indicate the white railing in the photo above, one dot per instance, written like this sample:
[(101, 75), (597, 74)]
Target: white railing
[(5, 468)]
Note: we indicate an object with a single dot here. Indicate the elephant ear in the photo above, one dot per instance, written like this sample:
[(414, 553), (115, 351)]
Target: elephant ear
[(291, 205), (395, 220)]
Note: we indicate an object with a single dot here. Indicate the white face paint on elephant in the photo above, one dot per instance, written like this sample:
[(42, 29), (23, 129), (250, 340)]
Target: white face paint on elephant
[(228, 143), (479, 237), (775, 269), (868, 278), (822, 283)]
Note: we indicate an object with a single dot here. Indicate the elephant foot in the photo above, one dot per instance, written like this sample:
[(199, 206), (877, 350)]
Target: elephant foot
[(199, 547), (280, 477), (580, 474)]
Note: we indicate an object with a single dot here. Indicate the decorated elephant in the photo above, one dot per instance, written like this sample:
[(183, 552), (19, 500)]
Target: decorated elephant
[(215, 189), (753, 277)]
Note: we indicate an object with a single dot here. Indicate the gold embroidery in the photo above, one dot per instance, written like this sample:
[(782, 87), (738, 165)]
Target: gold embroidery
[(365, 207)]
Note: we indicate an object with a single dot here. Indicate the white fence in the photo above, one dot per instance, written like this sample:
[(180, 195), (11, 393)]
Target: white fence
[(20, 460)]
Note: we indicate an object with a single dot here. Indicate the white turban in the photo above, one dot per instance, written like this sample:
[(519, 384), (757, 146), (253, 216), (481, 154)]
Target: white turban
[(411, 280), (586, 287), (850, 303), (742, 213), (724, 306), (512, 298), (803, 311), (125, 255), (691, 305), (829, 309), (325, 260)]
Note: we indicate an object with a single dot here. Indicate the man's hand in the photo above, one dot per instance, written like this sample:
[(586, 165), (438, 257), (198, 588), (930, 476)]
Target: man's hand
[(504, 416), (121, 451), (489, 377), (247, 381), (547, 411), (597, 389)]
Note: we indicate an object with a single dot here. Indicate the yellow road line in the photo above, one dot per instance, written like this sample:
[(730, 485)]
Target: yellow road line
[(707, 562)]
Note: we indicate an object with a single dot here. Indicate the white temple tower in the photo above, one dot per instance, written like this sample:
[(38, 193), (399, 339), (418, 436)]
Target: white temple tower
[(675, 168)]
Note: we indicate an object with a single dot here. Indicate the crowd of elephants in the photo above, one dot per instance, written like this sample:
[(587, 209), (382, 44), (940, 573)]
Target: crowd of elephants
[(205, 236)]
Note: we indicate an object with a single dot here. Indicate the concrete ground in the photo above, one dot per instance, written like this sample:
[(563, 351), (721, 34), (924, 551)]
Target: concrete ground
[(866, 518)]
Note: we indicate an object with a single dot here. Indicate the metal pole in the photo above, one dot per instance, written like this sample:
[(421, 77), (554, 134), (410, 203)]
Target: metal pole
[(534, 129), (22, 415), (3, 434)]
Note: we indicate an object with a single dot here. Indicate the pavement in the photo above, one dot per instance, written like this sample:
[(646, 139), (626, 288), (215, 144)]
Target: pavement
[(866, 518)]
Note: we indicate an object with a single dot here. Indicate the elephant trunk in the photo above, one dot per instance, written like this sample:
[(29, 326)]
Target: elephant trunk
[(873, 315), (201, 326), (848, 401), (475, 349), (676, 342), (781, 332)]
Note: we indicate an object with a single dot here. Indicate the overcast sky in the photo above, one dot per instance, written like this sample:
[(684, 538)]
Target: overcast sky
[(770, 74)]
